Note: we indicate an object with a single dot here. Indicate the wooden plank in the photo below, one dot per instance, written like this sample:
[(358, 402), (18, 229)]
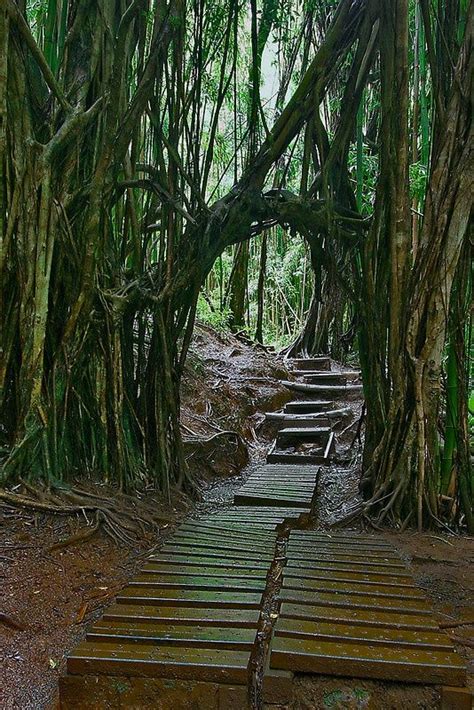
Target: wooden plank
[(349, 576), (157, 581), (329, 378), (167, 570), (238, 618), (259, 498), (116, 659), (364, 551), (173, 635), (366, 661), (307, 433), (356, 601), (310, 559), (203, 551), (308, 406), (174, 558), (349, 588), (312, 363), (181, 597), (234, 532), (363, 617), (213, 540), (326, 391), (324, 631), (255, 513), (279, 488), (327, 563), (279, 456), (346, 538)]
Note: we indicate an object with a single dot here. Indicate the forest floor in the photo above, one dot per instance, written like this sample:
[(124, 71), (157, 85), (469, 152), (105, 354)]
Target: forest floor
[(52, 595)]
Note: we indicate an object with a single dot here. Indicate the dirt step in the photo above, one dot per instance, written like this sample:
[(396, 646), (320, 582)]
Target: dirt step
[(316, 435), (311, 363), (289, 457), (317, 419), (329, 378), (324, 391), (311, 406)]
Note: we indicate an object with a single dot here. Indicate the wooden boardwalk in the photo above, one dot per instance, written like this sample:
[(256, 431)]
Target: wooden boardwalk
[(186, 631), (350, 607), (280, 485)]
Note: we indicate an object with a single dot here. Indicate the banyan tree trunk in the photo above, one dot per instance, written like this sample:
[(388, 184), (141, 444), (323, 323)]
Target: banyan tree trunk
[(402, 474)]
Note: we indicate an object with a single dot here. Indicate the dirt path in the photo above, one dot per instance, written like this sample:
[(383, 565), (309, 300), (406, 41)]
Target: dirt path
[(52, 596)]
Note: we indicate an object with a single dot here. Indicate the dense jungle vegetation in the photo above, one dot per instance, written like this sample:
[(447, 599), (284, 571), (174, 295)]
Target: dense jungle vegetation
[(300, 171)]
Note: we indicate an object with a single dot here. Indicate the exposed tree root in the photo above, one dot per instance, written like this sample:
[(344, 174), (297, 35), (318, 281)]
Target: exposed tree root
[(119, 519)]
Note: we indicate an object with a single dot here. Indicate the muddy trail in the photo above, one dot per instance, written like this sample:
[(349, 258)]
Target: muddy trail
[(50, 594)]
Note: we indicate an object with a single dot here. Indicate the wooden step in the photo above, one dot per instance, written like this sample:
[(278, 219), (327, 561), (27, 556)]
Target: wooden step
[(318, 377), (156, 580), (315, 435), (319, 455), (207, 560), (324, 419), (188, 598), (321, 362), (238, 618), (301, 501), (288, 457), (249, 571), (350, 607), (365, 660), (312, 406), (361, 588), (165, 634), (323, 391), (339, 633), (122, 659), (352, 616)]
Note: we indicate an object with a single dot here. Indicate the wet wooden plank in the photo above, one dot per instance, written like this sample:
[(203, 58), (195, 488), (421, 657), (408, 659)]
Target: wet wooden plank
[(157, 581), (180, 597), (202, 551), (163, 633), (229, 543), (358, 616), (309, 406), (346, 538), (367, 661), (349, 588), (311, 363), (347, 575), (249, 498), (218, 561), (233, 531), (326, 565), (335, 548), (356, 601), (307, 433), (214, 665), (325, 631), (246, 571), (348, 561), (295, 458), (238, 618)]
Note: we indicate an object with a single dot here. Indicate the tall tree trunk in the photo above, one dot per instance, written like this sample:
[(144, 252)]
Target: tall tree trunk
[(402, 463)]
